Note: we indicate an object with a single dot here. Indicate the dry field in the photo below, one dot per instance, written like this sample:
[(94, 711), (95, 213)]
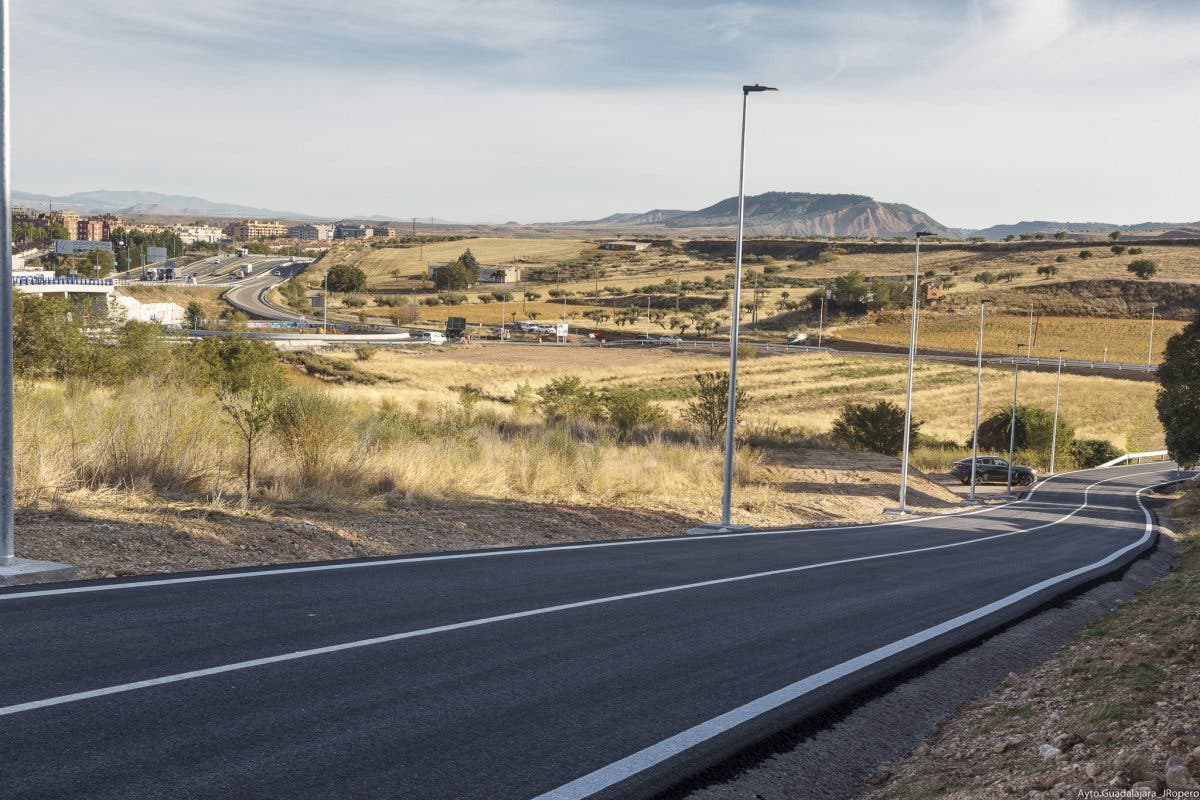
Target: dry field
[(209, 297), (801, 392), (1084, 338), (386, 264)]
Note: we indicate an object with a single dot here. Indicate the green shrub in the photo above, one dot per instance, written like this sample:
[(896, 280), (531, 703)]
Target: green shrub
[(346, 278), (630, 409), (1144, 268), (568, 398), (354, 301), (1088, 453), (877, 428), (1035, 430), (710, 404)]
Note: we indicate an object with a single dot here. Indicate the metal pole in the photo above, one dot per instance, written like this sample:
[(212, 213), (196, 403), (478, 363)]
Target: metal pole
[(325, 324), (978, 398), (1057, 394), (1012, 425), (1029, 347), (731, 404), (1150, 354), (821, 323), (6, 322), (912, 355)]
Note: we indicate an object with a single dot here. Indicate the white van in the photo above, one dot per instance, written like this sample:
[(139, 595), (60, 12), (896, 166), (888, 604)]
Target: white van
[(432, 337)]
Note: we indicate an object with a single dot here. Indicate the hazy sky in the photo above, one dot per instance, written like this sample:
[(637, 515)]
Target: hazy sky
[(531, 110)]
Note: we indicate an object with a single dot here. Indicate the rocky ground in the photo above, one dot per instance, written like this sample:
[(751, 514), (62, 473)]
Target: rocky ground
[(1116, 712)]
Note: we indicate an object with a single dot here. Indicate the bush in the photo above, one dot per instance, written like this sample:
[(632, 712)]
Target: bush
[(629, 409), (1085, 254), (569, 398), (365, 352), (710, 404), (1035, 430), (346, 278), (1047, 270), (452, 299), (1061, 258), (354, 301), (1088, 453), (486, 298), (877, 428), (1136, 251), (310, 423), (1118, 249), (986, 278), (1144, 268)]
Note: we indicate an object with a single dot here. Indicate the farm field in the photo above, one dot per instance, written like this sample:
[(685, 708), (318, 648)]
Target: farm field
[(1084, 338)]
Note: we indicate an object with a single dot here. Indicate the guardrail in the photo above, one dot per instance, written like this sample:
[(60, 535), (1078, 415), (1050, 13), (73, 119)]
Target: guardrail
[(25, 280), (1138, 458)]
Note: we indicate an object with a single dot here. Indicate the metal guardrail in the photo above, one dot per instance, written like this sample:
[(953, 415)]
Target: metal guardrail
[(26, 280), (1159, 455)]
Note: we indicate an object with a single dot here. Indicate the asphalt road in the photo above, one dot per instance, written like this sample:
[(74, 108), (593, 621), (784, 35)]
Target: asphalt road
[(607, 669), (249, 295)]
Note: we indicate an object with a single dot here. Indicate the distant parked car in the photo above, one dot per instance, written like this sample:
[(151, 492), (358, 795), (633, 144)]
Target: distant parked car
[(432, 337), (991, 469), (797, 338), (646, 338), (670, 339)]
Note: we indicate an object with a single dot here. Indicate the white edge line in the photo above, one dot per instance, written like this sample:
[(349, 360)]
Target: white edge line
[(387, 562), (655, 754), (395, 637)]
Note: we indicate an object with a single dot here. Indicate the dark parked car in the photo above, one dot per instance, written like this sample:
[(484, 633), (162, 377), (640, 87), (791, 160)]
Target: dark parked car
[(991, 469)]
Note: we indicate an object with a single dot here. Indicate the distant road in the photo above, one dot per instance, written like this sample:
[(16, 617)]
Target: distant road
[(250, 294), (610, 669)]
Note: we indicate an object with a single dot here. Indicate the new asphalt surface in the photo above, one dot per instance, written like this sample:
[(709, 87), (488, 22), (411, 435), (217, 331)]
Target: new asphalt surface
[(609, 669)]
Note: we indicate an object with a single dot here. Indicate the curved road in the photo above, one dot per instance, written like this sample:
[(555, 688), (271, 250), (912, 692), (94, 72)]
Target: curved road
[(605, 669), (250, 294)]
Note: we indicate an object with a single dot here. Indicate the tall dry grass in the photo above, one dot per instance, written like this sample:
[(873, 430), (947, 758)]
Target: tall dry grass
[(338, 451)]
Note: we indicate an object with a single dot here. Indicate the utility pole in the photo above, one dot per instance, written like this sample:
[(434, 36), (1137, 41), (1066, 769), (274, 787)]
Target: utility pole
[(1029, 347), (1012, 425), (978, 399)]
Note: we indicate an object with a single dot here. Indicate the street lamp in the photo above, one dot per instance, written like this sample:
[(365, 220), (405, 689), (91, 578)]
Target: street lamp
[(1057, 394), (731, 406), (325, 305), (1150, 354), (912, 356), (1012, 425), (978, 398)]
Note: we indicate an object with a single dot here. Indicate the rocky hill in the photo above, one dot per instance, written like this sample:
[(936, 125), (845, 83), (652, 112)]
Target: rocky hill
[(793, 214)]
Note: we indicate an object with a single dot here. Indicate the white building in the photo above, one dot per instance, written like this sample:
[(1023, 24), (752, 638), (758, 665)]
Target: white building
[(190, 234), (170, 314)]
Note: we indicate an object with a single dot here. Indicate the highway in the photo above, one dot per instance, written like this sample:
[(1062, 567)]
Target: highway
[(605, 669), (250, 294)]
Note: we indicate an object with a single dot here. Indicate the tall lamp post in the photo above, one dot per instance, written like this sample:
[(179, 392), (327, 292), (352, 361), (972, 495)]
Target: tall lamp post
[(1150, 354), (1012, 424), (7, 556), (1057, 395), (978, 398), (912, 356), (325, 305), (731, 405)]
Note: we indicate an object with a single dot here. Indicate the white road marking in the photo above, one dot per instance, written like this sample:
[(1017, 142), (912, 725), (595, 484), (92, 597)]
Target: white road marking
[(395, 637), (655, 754), (388, 562)]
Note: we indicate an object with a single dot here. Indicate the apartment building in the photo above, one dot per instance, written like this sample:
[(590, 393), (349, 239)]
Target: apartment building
[(191, 234), (311, 231), (352, 230), (90, 230), (256, 229)]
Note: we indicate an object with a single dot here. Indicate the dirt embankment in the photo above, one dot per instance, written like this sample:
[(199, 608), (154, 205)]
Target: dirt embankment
[(1109, 297)]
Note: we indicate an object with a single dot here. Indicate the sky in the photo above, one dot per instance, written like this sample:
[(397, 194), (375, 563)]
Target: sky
[(978, 113)]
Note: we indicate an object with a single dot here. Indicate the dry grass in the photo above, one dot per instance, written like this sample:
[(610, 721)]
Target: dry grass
[(801, 392), (209, 297), (1084, 338)]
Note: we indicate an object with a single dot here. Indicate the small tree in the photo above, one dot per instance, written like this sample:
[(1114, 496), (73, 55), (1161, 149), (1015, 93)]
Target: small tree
[(1114, 235), (1060, 235), (1047, 271), (710, 403), (877, 428), (1178, 401), (1144, 268), (1085, 254), (195, 315), (1117, 249), (346, 278), (1061, 258)]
